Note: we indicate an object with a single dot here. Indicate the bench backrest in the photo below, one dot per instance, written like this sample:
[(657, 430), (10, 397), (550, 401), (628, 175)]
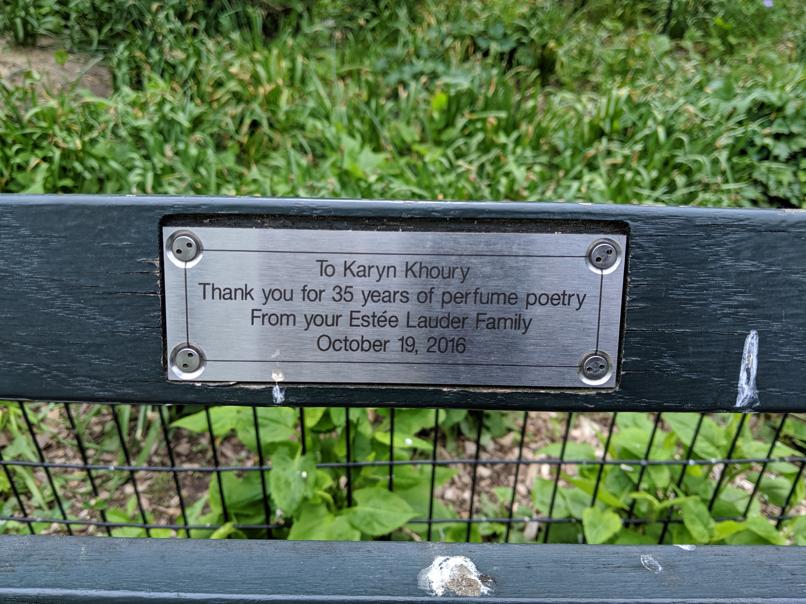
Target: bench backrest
[(713, 314)]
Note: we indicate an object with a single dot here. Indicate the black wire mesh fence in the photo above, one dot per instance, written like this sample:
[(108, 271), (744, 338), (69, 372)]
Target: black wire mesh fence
[(422, 474)]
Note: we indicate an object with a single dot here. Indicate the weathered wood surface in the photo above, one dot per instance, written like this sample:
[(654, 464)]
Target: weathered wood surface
[(81, 569), (80, 311)]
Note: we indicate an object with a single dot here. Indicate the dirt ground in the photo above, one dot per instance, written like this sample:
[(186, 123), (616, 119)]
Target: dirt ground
[(82, 71)]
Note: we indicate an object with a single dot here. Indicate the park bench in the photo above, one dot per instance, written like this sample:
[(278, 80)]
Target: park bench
[(168, 300)]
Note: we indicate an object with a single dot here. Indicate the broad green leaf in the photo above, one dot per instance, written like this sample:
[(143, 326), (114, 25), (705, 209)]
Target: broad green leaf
[(641, 421), (292, 480), (450, 417), (313, 415), (438, 102), (783, 467), (415, 481), (409, 422), (117, 515), (711, 441), (276, 424), (658, 506), (457, 533), (799, 530), (491, 529), (576, 501), (680, 534), (402, 441), (541, 497), (440, 511), (61, 56), (660, 477), (732, 501), (361, 165), (378, 511), (728, 528), (796, 429), (242, 493), (675, 502), (194, 511), (337, 415), (357, 416), (566, 533), (226, 530), (634, 537), (40, 174), (632, 441), (603, 495), (573, 451), (314, 522), (764, 529), (618, 481), (652, 501), (697, 520), (776, 489), (600, 525), (222, 419)]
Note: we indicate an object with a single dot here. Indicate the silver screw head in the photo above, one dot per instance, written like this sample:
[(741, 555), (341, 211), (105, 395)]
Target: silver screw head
[(184, 247), (187, 359), (594, 367), (603, 255)]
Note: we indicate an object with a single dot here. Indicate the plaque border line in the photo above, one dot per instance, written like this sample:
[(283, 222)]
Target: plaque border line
[(433, 363), (389, 363), (397, 253), (598, 317), (187, 310)]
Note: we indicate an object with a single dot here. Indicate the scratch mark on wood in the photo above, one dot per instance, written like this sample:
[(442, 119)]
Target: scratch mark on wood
[(747, 397), (278, 392), (649, 562)]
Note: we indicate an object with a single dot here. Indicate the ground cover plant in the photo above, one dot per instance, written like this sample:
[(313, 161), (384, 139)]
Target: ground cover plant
[(460, 100), (281, 473), (678, 102)]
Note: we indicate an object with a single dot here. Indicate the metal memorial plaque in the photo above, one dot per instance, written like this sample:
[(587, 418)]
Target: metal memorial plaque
[(531, 310)]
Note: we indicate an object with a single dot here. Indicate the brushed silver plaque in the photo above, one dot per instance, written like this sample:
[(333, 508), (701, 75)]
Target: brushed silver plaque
[(389, 307)]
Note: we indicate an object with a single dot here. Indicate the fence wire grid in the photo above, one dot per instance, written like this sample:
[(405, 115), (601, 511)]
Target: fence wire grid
[(503, 476)]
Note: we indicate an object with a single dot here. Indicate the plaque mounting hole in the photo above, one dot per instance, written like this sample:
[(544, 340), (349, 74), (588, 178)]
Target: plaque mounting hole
[(187, 362), (603, 256), (595, 369), (184, 249)]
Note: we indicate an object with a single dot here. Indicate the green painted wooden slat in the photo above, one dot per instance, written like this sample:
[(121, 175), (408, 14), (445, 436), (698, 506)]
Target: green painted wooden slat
[(91, 569), (80, 313)]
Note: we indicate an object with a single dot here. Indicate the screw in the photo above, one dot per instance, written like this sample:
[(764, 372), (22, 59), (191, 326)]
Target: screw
[(185, 247), (603, 255), (594, 367), (187, 359)]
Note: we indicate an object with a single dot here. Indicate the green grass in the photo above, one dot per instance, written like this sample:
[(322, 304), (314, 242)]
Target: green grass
[(423, 100)]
